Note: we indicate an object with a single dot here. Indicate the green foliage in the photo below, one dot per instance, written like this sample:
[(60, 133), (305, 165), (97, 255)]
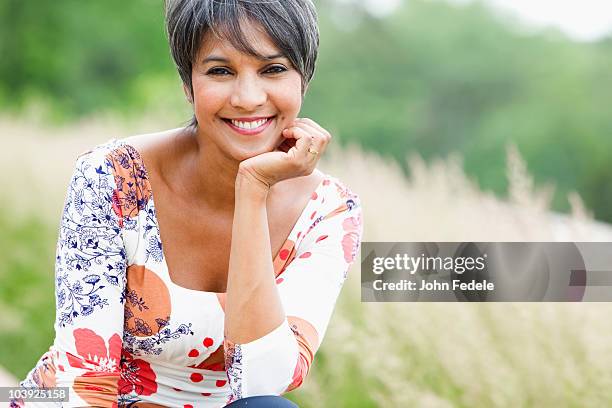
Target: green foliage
[(432, 77), (81, 56), (26, 292)]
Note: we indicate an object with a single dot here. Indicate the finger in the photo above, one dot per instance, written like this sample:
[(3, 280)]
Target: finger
[(303, 141), (322, 137), (309, 126), (320, 141), (286, 144), (290, 132), (290, 138), (310, 129), (314, 150), (315, 125)]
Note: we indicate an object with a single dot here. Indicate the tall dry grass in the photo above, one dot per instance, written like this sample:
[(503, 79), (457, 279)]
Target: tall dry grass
[(401, 354)]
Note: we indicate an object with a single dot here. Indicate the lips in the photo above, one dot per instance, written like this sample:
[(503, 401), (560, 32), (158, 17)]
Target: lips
[(249, 126)]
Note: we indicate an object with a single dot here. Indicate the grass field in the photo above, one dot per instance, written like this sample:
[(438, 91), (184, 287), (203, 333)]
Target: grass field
[(374, 355)]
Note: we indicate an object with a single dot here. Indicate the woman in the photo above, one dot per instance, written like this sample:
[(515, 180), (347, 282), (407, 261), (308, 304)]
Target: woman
[(200, 266)]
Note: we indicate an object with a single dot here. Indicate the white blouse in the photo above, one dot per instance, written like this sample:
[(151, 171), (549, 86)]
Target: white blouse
[(126, 335)]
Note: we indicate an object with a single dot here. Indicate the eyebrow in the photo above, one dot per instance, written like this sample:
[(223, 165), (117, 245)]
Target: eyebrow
[(216, 58)]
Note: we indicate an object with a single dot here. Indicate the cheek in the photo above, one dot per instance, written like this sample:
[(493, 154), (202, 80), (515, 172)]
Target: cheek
[(289, 99), (207, 97)]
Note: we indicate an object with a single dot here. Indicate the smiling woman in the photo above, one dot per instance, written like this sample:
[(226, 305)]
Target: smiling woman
[(234, 93), (200, 266)]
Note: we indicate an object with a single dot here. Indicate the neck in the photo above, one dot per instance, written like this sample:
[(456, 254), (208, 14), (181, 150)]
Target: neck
[(208, 176)]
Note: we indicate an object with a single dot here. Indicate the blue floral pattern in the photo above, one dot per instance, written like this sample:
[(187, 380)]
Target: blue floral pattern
[(90, 252), (234, 364), (152, 345)]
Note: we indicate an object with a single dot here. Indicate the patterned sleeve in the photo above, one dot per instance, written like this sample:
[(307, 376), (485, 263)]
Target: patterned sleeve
[(308, 286), (90, 280)]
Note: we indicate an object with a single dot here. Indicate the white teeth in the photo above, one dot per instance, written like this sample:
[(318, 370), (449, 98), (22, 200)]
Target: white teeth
[(249, 125)]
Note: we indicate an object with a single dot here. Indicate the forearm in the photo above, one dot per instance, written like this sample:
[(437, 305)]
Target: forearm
[(253, 307)]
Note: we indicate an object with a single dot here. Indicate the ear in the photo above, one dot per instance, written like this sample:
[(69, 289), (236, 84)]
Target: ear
[(188, 96)]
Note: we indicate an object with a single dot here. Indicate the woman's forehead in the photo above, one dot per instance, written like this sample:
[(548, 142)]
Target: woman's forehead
[(221, 45)]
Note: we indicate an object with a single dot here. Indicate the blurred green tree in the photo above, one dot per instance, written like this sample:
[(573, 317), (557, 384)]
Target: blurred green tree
[(431, 77)]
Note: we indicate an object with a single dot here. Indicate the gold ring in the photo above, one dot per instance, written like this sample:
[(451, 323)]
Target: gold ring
[(311, 150)]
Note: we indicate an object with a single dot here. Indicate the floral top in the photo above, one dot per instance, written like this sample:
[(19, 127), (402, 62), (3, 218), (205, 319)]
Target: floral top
[(126, 335)]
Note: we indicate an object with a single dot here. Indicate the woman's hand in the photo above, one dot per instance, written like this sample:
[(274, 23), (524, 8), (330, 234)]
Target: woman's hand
[(298, 154)]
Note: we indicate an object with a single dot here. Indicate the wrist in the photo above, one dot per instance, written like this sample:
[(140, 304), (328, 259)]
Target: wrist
[(248, 183)]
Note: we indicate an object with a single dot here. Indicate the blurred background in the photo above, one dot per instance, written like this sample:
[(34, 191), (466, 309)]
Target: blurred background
[(453, 120)]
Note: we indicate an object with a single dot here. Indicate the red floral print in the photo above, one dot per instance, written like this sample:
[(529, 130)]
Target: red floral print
[(350, 241), (98, 384), (136, 376)]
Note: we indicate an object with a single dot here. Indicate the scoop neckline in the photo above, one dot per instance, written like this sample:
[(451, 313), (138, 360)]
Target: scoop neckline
[(304, 212)]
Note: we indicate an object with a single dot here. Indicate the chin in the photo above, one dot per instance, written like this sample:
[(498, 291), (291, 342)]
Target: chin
[(244, 154), (264, 146)]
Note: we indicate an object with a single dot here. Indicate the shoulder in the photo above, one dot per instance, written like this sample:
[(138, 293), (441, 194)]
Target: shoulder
[(334, 223), (117, 167), (336, 210), (111, 154), (105, 162), (130, 150), (335, 196), (93, 173), (122, 159)]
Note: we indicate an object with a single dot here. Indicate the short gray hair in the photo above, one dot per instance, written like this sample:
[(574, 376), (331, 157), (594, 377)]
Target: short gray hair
[(290, 24)]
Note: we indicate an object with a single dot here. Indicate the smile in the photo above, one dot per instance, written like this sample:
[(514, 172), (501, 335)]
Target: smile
[(249, 126)]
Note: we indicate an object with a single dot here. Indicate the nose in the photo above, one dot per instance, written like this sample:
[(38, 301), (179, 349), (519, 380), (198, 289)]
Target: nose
[(248, 93)]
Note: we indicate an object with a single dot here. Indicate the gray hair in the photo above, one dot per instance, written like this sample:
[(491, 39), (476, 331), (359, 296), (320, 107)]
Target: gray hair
[(290, 24)]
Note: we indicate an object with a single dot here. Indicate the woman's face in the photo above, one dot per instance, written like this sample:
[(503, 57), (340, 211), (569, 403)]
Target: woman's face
[(243, 103)]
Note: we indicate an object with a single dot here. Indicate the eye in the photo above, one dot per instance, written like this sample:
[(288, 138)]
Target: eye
[(275, 69), (218, 71)]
